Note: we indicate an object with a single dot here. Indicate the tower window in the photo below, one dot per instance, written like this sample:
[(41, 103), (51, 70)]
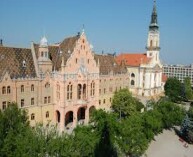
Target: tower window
[(132, 82), (151, 43)]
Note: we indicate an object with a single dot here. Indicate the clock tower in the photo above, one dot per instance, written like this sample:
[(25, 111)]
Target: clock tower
[(153, 41)]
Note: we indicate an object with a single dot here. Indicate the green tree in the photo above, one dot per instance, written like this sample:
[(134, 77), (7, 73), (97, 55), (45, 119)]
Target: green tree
[(124, 104), (172, 114), (132, 139), (188, 89), (152, 123), (14, 128), (173, 89), (106, 127)]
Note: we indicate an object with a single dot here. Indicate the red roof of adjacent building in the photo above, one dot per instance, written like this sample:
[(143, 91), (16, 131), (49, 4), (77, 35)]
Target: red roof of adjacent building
[(132, 59), (164, 78)]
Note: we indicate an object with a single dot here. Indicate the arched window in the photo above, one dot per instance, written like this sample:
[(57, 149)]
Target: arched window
[(32, 116), (47, 85), (133, 75), (49, 99), (32, 87), (8, 89), (4, 90), (22, 88), (79, 91), (132, 82), (151, 43), (104, 101), (69, 91), (47, 114)]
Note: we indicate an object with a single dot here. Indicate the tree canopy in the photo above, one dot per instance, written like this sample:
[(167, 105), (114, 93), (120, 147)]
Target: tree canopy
[(173, 89)]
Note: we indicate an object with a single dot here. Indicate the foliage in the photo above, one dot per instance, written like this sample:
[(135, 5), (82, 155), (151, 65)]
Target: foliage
[(188, 89), (172, 114), (187, 128), (152, 123), (107, 128), (173, 89), (124, 104), (132, 139)]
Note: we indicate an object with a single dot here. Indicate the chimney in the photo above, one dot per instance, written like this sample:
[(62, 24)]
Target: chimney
[(1, 42)]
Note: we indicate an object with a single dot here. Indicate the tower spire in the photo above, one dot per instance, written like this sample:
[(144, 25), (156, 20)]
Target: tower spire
[(154, 23)]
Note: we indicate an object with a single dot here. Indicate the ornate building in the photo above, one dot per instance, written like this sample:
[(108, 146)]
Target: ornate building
[(62, 83), (145, 70)]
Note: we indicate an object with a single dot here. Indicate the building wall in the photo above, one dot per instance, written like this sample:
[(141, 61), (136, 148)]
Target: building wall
[(179, 71)]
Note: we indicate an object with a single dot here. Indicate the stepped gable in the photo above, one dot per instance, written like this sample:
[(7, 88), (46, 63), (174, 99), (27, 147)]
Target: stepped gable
[(133, 59), (63, 49), (108, 64), (18, 62)]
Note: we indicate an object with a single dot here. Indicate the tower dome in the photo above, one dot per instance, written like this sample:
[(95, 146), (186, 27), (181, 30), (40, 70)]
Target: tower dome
[(43, 42)]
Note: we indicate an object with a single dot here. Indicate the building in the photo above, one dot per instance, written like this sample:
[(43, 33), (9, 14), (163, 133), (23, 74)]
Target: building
[(145, 69), (179, 71), (62, 83)]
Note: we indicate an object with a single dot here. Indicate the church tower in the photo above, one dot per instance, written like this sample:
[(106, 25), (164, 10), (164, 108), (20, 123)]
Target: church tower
[(44, 62), (153, 41)]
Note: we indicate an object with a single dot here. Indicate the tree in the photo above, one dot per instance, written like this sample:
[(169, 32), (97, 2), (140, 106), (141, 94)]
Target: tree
[(188, 89), (106, 127), (132, 139), (14, 128), (152, 122), (172, 114), (124, 104), (173, 89)]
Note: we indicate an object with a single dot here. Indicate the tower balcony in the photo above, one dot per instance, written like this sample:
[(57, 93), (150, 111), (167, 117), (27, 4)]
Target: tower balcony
[(152, 48)]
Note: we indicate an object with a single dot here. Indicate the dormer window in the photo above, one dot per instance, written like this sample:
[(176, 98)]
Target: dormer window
[(24, 63)]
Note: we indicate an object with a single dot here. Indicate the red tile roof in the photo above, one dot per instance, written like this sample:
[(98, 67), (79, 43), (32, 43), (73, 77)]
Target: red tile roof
[(164, 78), (132, 59)]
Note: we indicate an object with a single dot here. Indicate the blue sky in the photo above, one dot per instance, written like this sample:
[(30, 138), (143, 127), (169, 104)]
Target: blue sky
[(110, 25)]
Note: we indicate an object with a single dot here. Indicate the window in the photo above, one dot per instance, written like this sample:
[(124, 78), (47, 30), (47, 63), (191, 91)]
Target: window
[(132, 75), (22, 88), (76, 60), (32, 101), (99, 102), (4, 105), (104, 101), (32, 116), (24, 63), (99, 91), (47, 85), (22, 102), (47, 114), (104, 90), (4, 90), (79, 91), (69, 91), (32, 87), (92, 89), (110, 99), (88, 61), (45, 100), (49, 99), (8, 89), (132, 82)]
